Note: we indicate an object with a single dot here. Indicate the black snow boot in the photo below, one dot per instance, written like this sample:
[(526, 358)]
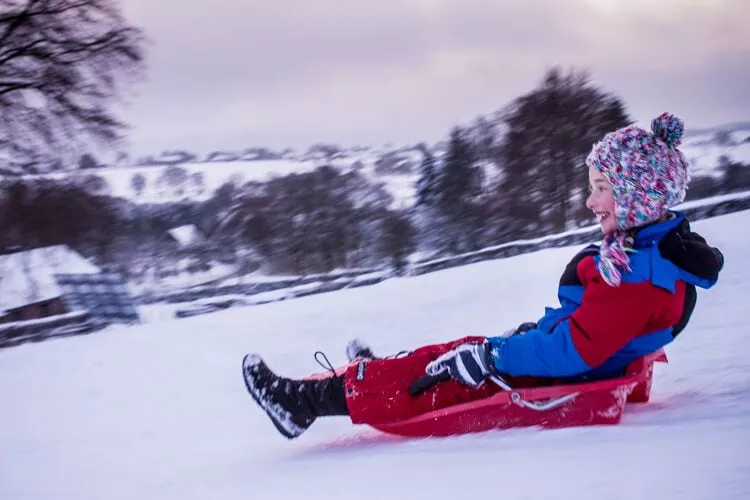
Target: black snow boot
[(293, 405)]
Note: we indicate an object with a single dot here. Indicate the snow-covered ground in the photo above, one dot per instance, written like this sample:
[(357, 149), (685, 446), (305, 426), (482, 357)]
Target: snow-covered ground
[(159, 411)]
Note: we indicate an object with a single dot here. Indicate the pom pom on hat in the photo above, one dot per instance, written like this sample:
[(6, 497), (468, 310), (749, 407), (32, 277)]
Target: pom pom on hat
[(669, 128)]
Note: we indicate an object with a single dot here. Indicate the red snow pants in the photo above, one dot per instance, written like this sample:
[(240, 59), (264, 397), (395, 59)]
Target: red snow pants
[(377, 391)]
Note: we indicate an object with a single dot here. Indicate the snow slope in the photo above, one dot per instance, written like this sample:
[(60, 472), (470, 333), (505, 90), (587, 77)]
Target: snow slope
[(159, 411)]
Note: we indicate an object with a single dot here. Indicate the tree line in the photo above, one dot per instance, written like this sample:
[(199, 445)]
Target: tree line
[(510, 174), (516, 173)]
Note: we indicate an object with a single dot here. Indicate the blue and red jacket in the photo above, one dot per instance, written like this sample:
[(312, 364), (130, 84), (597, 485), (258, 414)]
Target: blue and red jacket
[(599, 329)]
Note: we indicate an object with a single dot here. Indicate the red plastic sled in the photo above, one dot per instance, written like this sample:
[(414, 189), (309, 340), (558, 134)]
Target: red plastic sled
[(590, 403)]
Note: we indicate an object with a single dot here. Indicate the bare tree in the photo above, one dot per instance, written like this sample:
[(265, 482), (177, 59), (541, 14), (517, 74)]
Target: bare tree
[(62, 65)]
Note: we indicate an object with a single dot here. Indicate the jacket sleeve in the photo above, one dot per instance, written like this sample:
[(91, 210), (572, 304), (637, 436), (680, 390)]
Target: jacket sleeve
[(607, 319)]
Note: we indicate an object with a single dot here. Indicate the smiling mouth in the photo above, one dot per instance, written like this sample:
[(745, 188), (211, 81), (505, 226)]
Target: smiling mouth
[(601, 216)]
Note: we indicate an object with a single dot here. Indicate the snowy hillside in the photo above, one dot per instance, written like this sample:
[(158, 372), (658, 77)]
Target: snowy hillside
[(397, 172), (396, 168), (159, 411), (704, 152)]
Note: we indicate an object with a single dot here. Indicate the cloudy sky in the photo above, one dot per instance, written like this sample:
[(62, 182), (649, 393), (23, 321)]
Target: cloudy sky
[(278, 73)]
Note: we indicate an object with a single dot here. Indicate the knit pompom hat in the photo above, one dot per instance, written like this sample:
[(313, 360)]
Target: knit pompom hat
[(648, 174)]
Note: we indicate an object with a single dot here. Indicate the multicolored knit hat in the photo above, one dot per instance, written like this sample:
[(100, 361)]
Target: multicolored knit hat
[(648, 174)]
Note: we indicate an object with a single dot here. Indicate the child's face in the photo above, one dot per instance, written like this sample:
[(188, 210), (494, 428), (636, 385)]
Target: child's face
[(601, 201)]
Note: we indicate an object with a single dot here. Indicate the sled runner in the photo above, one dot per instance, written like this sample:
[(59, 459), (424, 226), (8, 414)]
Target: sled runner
[(590, 403)]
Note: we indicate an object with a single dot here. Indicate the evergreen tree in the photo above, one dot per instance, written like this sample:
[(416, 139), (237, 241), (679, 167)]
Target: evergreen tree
[(549, 133), (458, 198), (456, 180), (397, 240), (428, 179)]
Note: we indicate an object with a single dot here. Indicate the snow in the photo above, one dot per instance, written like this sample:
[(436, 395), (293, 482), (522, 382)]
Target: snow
[(151, 283), (214, 174), (741, 152), (704, 154), (713, 200), (28, 277), (160, 410), (186, 235), (57, 318)]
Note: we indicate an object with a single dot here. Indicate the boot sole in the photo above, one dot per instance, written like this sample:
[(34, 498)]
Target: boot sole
[(283, 423)]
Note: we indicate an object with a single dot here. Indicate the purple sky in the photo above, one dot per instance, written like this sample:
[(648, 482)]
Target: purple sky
[(241, 73)]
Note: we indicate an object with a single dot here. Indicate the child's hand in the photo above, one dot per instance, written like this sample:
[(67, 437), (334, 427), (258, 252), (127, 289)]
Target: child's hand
[(469, 364)]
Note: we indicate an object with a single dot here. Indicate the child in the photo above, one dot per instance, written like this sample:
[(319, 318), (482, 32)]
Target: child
[(619, 300)]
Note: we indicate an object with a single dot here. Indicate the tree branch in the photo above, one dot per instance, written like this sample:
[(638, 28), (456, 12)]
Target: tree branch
[(18, 52), (16, 20), (7, 88), (74, 55)]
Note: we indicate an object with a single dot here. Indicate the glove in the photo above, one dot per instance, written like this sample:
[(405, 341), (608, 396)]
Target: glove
[(469, 364), (525, 327), (520, 329)]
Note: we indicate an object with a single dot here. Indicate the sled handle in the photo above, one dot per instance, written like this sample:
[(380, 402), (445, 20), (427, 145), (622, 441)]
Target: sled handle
[(423, 383), (546, 406)]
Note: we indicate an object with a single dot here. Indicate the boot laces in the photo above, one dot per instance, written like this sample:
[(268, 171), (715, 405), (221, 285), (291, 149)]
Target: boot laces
[(323, 361)]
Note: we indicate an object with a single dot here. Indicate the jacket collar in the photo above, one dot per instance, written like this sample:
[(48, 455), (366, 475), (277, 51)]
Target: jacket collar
[(647, 236)]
